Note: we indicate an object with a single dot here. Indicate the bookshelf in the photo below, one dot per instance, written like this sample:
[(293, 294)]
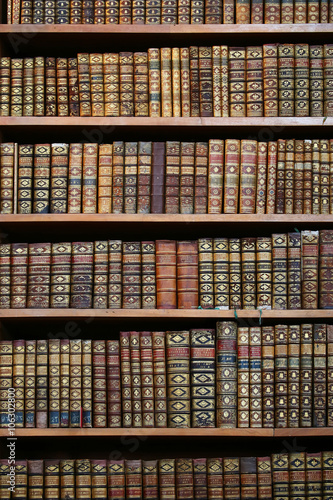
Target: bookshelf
[(59, 224)]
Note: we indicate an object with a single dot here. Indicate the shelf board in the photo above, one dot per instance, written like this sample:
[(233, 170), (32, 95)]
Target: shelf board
[(123, 121), (168, 432), (163, 313)]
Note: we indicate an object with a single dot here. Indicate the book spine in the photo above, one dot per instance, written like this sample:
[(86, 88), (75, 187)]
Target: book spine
[(154, 72), (214, 478), (141, 83), (280, 271), (75, 376), (131, 177), (281, 376), (148, 269), (169, 12), (158, 178), (126, 96), (111, 84), (89, 178), (206, 270), (302, 92), (160, 379), (320, 375), (104, 176), (172, 173), (99, 12), (144, 176), (316, 77), (16, 87), (237, 77), (264, 272), (101, 269), (307, 177), (96, 84), (287, 12), (116, 479), (329, 375), (248, 176), (293, 376), (82, 275), (62, 86), (75, 12), (75, 177), (313, 11), (313, 475), (5, 92), (294, 277), (187, 274), (254, 76), (28, 86), (166, 78), (270, 77), (113, 374), (59, 176), (41, 383), (194, 81), (38, 12), (260, 206), (243, 12), (306, 371), (184, 478), (272, 12), (88, 404), (99, 383), (200, 478), (73, 87), (197, 11), (205, 81), (35, 478), (325, 273), (136, 382), (324, 11), (316, 176), (286, 79), (131, 274), (201, 178), (61, 254), (231, 477), (217, 83), (62, 11), (5, 275), (51, 107), (125, 12), (133, 478), (185, 82), (87, 12), (83, 479), (226, 374), (264, 478), (243, 377), (6, 380), (187, 178), (41, 174), (225, 79), (228, 12), (299, 177), (297, 474), (235, 273), (54, 382), (18, 275), (324, 176), (39, 86), (167, 480), (326, 473), (310, 250), (118, 177), (232, 174), (249, 281), (84, 84), (98, 479), (255, 381), (271, 177), (248, 477), (184, 11), (30, 372), (39, 275), (147, 379), (150, 479), (268, 378), (115, 274), (7, 167), (280, 475), (26, 12), (64, 383), (221, 273), (178, 362), (126, 380), (138, 12), (300, 12), (202, 378), (289, 177), (215, 175)]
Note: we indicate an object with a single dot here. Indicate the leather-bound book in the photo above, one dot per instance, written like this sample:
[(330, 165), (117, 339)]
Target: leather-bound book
[(197, 11), (281, 376), (286, 63), (88, 405), (325, 269), (131, 177), (272, 12), (217, 80), (26, 12), (39, 86), (126, 96), (35, 479), (306, 371), (185, 84), (112, 11), (187, 177), (169, 12), (84, 84), (18, 274), (232, 174), (213, 12), (98, 479), (280, 475), (260, 204), (148, 276), (300, 8), (184, 478), (331, 177), (75, 177), (264, 478), (248, 477), (178, 362), (118, 177), (18, 348), (294, 337), (257, 12), (302, 93), (154, 72), (73, 87), (41, 383), (61, 256), (294, 271), (99, 12), (307, 177), (267, 376), (136, 377), (82, 275), (319, 375), (289, 177), (101, 272), (99, 383), (280, 271), (38, 12), (141, 84), (255, 379), (75, 376), (125, 12), (5, 91), (316, 176), (133, 478), (96, 84), (28, 86), (39, 275), (166, 78), (205, 81), (5, 275), (202, 378), (51, 107), (54, 382), (150, 488), (167, 479), (153, 12), (313, 11), (271, 177), (126, 380), (115, 274), (59, 178), (166, 271), (243, 12), (280, 176), (8, 178), (62, 86), (64, 383), (243, 377), (297, 474), (237, 79), (116, 479), (264, 272), (225, 79), (62, 11), (131, 274), (104, 176), (206, 273), (176, 81), (326, 472), (194, 81), (21, 478), (235, 270), (158, 178), (75, 12), (6, 380), (187, 274), (87, 12), (16, 87), (160, 394), (113, 383), (30, 372), (221, 273), (287, 11), (324, 11), (41, 193), (231, 477), (89, 178), (83, 479), (248, 176), (172, 175), (228, 12), (144, 177), (226, 374), (270, 78), (254, 81), (316, 77), (147, 379), (324, 176), (214, 478), (215, 175), (313, 474), (111, 84), (249, 278), (184, 12), (200, 478), (310, 257), (138, 12), (201, 178), (299, 176)]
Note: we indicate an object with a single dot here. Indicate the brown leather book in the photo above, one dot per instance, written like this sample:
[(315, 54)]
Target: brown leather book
[(267, 374), (147, 379), (166, 271), (320, 375), (104, 193), (131, 275), (215, 175), (194, 81), (201, 178), (126, 70), (158, 178), (82, 275), (96, 84), (310, 256), (306, 372), (187, 177), (187, 275), (231, 473), (101, 272), (166, 78), (99, 394), (126, 380), (144, 177), (62, 87), (281, 376), (184, 478), (113, 383), (237, 80), (39, 275), (18, 275), (111, 84), (254, 80), (294, 339), (214, 478), (176, 81), (148, 269), (248, 478), (160, 379), (243, 377), (172, 175), (205, 81), (131, 177), (302, 93), (141, 85)]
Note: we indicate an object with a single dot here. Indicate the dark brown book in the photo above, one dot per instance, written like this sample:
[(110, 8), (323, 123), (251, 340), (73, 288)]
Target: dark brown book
[(248, 478), (166, 274), (201, 178), (147, 378), (113, 383), (187, 275), (294, 339), (325, 269), (184, 478), (231, 476), (41, 383), (131, 275), (101, 272), (148, 277), (172, 177), (18, 275), (99, 383), (158, 178), (82, 275), (319, 375), (264, 475), (281, 375), (39, 275), (136, 379)]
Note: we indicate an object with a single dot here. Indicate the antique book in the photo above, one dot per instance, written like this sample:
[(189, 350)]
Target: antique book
[(197, 11), (294, 275), (184, 478), (226, 374), (141, 84), (214, 478), (205, 81), (89, 178), (185, 84), (243, 377), (215, 175), (61, 256), (237, 78), (329, 375), (270, 78), (280, 271), (62, 87), (42, 383), (286, 79), (324, 176), (126, 380), (272, 13), (328, 86), (248, 176), (231, 176), (184, 12), (136, 379), (221, 273), (249, 279), (82, 478), (316, 80), (8, 178), (54, 382), (299, 176), (148, 275), (297, 474), (96, 84), (16, 87), (167, 480), (50, 87), (30, 372), (115, 274), (131, 275), (98, 478), (138, 12), (126, 95), (201, 178), (41, 175), (313, 474), (75, 12), (18, 275), (99, 387), (254, 77), (325, 269), (194, 81), (166, 272), (168, 11), (231, 477), (187, 177), (62, 12), (38, 295), (6, 380), (21, 475), (39, 86), (302, 97), (130, 177), (326, 462), (64, 382), (257, 12), (35, 478), (75, 177), (101, 274), (225, 79), (88, 405), (166, 77), (235, 270), (287, 11), (228, 12), (217, 83), (260, 206), (118, 177), (172, 177), (116, 479), (26, 12), (5, 91), (316, 176), (133, 475), (111, 12), (158, 178), (310, 256), (319, 375), (87, 12), (267, 376), (202, 357), (271, 177), (293, 377), (104, 176), (200, 478), (243, 12), (206, 270), (307, 177), (125, 12), (5, 275), (264, 272), (178, 378), (82, 275), (113, 382), (111, 83), (75, 391), (147, 379), (289, 185), (281, 376), (144, 177), (150, 488), (154, 72), (84, 84), (264, 478), (280, 475), (28, 86), (248, 477), (160, 378), (59, 176), (99, 12), (306, 371)]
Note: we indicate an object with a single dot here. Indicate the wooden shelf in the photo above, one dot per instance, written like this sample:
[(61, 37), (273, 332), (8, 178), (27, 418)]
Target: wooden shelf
[(167, 432), (163, 313)]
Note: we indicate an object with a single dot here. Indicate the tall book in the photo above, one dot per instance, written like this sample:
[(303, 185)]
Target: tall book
[(25, 179), (280, 475), (5, 275), (185, 81), (39, 86), (260, 206), (89, 178), (256, 394), (99, 388), (148, 276), (38, 295), (248, 176), (215, 478), (294, 338), (116, 479), (166, 78), (264, 272), (267, 375), (147, 379), (144, 177), (50, 87), (41, 383), (18, 275), (201, 178), (6, 381), (75, 377), (310, 254), (96, 84), (118, 177), (200, 478), (41, 176), (113, 383), (186, 177), (243, 377), (131, 272), (160, 379), (18, 380), (215, 175), (231, 477), (187, 274), (290, 177), (280, 271), (167, 480), (237, 80), (264, 478), (206, 284), (59, 176), (320, 375), (62, 87), (302, 92), (82, 275), (104, 176), (84, 84), (205, 81), (136, 379), (194, 81), (316, 77), (172, 175), (88, 405), (115, 274), (141, 85), (64, 383), (325, 269), (111, 82), (150, 479), (126, 379), (184, 478), (235, 270), (254, 75), (248, 477), (297, 474), (75, 177), (306, 373), (294, 275), (232, 173), (126, 70), (54, 382), (158, 178), (30, 372), (221, 273), (131, 177), (249, 279), (226, 374), (166, 272), (281, 375), (286, 79)]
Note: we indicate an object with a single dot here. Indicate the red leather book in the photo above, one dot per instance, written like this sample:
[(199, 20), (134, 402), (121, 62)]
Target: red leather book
[(187, 177), (184, 478), (126, 380), (116, 479), (125, 12), (187, 274), (147, 379), (131, 177), (200, 478), (201, 178), (148, 261), (39, 275), (215, 175), (131, 275), (214, 478), (86, 415), (260, 207), (231, 476), (25, 179), (166, 269), (185, 81), (99, 383), (158, 178), (136, 383), (166, 77), (82, 275), (160, 380), (113, 382), (133, 479), (172, 175)]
